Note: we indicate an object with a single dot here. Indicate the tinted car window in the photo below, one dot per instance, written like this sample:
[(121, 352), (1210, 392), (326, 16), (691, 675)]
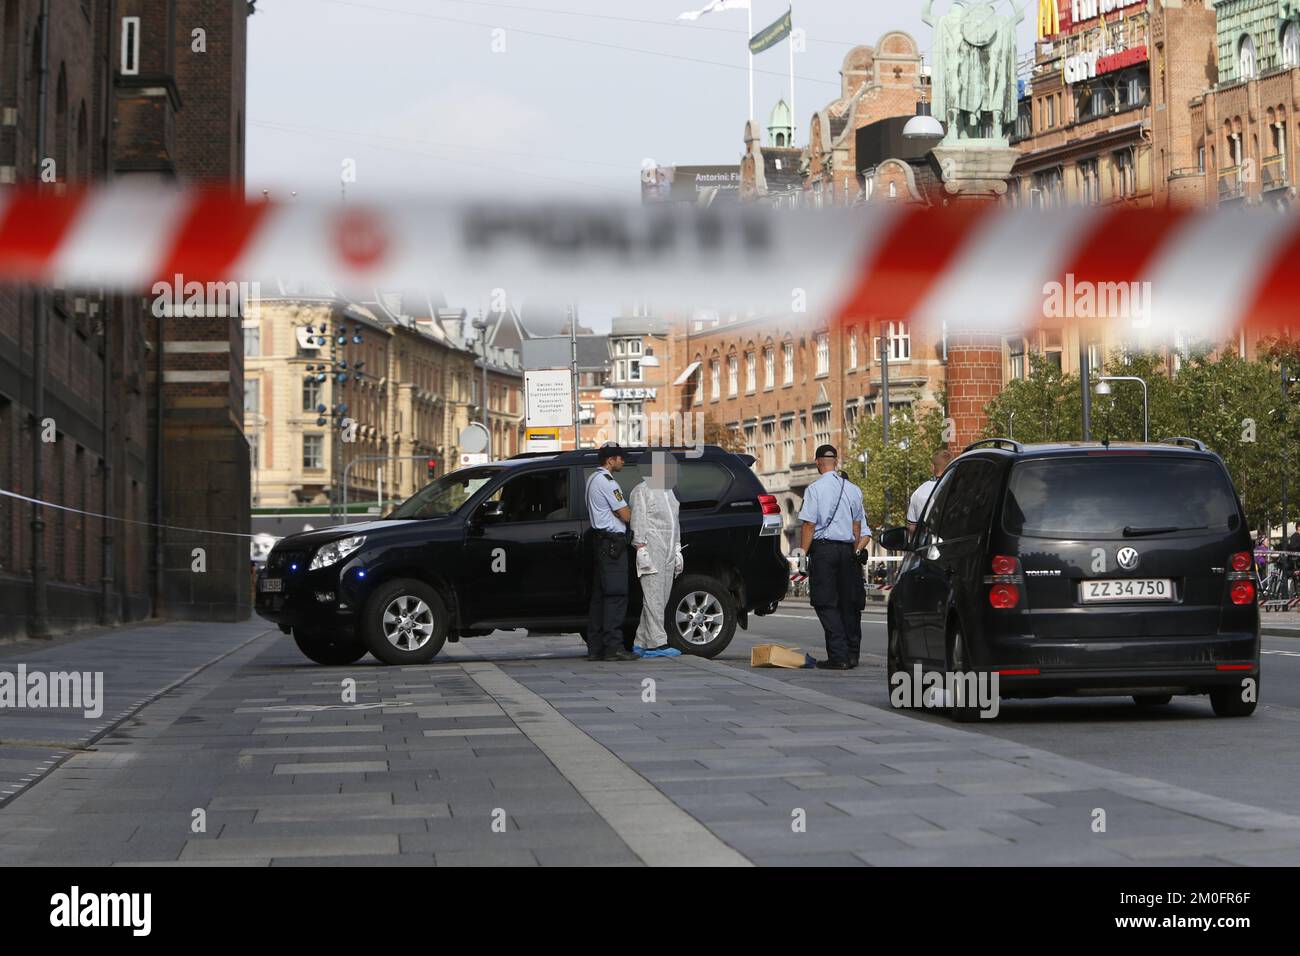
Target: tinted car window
[(445, 495), (968, 509), (1100, 497), (699, 483), (534, 496), (938, 499)]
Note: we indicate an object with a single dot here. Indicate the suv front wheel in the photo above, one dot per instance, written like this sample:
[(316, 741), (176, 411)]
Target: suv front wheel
[(701, 616), (405, 622)]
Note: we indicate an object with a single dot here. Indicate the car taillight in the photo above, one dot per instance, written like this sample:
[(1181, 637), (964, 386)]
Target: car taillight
[(769, 504), (1003, 596), (1241, 561), (1242, 592), (1003, 564)]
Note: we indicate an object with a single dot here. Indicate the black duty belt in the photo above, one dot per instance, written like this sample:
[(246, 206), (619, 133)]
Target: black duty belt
[(843, 544), (610, 534)]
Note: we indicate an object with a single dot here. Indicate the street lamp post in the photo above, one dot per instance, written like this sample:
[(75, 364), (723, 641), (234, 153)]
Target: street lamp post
[(1103, 388), (481, 324)]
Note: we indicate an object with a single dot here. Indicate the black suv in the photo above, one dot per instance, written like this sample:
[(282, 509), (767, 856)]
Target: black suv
[(1082, 569), (508, 545)]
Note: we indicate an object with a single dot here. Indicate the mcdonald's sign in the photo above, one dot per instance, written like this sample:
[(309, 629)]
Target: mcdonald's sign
[(1049, 19)]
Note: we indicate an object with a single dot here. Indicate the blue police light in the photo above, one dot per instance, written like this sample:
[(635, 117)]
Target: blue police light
[(320, 421), (361, 573), (321, 409), (293, 567)]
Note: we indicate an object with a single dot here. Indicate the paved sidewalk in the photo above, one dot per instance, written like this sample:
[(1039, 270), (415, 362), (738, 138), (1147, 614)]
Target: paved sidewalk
[(137, 664), (512, 750)]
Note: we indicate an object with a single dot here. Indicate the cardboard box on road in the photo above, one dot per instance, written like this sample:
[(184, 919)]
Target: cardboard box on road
[(775, 655)]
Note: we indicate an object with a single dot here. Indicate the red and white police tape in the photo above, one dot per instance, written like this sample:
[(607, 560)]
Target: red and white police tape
[(1204, 274)]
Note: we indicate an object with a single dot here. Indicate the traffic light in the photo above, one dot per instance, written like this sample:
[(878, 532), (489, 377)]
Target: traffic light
[(432, 466)]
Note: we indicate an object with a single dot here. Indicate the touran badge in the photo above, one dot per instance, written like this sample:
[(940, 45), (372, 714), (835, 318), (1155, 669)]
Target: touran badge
[(1128, 558)]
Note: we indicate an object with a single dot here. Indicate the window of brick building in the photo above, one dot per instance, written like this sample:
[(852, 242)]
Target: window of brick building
[(787, 440), (822, 425), (787, 373), (715, 379), (252, 395), (733, 374), (853, 349), (1090, 182), (1291, 44), (769, 368), (252, 340), (769, 444), (751, 439), (1016, 367), (900, 342), (751, 371), (823, 353)]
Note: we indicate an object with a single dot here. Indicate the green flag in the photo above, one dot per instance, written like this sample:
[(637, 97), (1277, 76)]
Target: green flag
[(772, 34)]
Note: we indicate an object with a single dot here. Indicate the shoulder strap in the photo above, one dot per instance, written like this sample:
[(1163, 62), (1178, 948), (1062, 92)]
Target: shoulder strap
[(834, 511)]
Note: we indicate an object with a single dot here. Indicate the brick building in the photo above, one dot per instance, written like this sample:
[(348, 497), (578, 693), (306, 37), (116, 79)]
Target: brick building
[(785, 385), (876, 82), (1102, 120), (142, 409), (1245, 126)]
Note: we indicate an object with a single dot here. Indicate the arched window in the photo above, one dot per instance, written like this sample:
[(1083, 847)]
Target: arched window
[(83, 143), (1291, 44), (60, 127), (1246, 58)]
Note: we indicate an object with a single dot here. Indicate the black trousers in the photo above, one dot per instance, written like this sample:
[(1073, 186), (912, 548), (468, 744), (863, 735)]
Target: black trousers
[(838, 595), (609, 596)]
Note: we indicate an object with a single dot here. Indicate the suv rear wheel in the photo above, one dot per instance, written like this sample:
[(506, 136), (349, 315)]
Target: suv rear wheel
[(332, 650), (405, 622), (701, 616)]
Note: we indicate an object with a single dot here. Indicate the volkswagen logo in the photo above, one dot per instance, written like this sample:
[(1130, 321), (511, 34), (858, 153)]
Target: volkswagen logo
[(1128, 558)]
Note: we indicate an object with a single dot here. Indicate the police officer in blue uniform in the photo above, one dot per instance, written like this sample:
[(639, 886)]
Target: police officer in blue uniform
[(609, 514), (834, 530)]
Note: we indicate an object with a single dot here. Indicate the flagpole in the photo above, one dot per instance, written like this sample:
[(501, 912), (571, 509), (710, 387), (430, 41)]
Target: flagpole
[(794, 117), (749, 13)]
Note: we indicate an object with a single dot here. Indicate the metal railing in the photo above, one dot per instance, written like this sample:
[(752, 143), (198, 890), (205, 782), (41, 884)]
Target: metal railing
[(1232, 185), (1272, 172)]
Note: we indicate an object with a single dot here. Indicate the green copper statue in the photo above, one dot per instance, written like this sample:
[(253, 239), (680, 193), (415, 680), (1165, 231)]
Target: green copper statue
[(973, 68)]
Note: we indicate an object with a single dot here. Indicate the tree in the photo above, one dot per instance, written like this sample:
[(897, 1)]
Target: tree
[(1043, 407), (889, 475), (715, 433)]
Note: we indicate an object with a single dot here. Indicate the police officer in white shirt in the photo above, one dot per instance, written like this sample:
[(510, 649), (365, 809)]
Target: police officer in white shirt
[(834, 530), (609, 514), (916, 507)]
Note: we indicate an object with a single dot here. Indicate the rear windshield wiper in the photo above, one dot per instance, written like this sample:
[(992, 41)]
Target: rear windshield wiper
[(1131, 532)]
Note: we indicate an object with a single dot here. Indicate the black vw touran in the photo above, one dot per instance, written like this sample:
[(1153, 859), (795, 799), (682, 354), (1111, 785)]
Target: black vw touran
[(1082, 569)]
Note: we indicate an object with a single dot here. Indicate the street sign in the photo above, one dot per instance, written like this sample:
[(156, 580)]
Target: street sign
[(548, 398), (474, 439), (468, 460), (542, 440)]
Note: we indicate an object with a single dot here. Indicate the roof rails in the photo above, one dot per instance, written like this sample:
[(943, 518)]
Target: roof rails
[(996, 443), (1186, 442)]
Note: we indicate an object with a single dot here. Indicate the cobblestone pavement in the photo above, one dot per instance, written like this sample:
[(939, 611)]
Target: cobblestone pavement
[(515, 750)]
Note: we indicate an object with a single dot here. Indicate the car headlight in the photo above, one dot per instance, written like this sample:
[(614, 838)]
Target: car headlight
[(336, 551)]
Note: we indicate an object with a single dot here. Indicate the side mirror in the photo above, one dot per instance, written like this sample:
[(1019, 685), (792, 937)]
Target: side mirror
[(893, 539)]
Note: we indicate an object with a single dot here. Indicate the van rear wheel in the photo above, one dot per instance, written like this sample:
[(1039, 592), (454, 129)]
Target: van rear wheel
[(1231, 701), (961, 708)]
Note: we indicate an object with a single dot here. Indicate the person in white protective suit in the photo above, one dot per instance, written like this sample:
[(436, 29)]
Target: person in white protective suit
[(656, 535)]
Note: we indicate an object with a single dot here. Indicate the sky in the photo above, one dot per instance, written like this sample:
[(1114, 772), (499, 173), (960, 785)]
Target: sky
[(527, 98)]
